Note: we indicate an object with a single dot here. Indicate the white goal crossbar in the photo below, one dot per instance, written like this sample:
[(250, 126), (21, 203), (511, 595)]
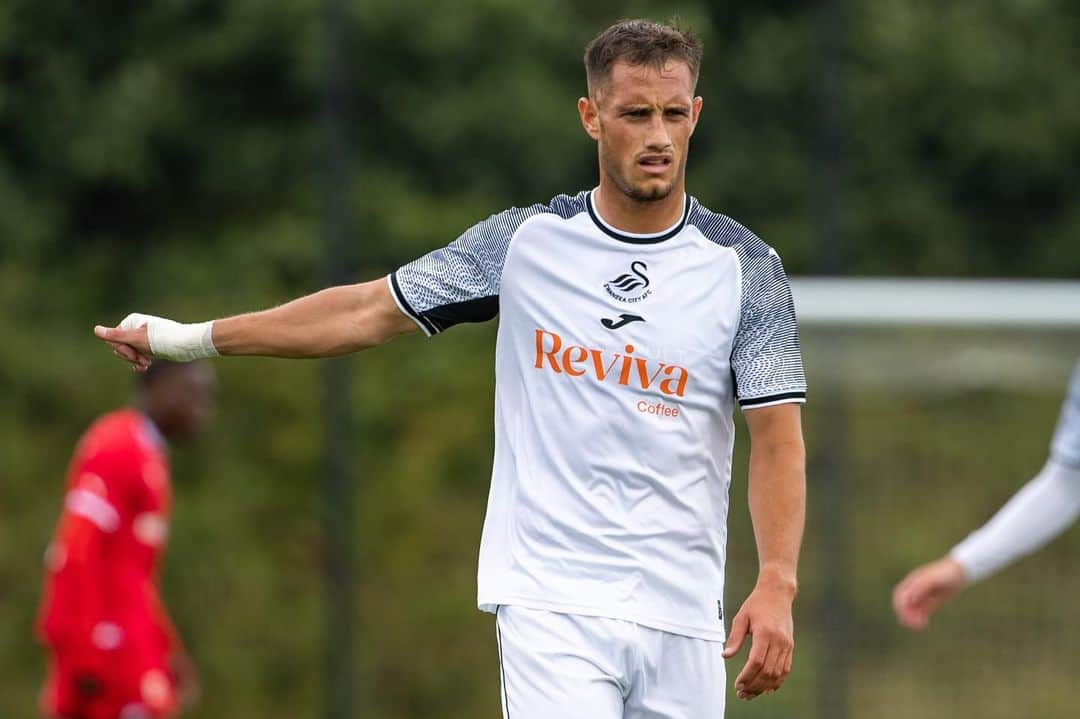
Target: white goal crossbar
[(864, 301)]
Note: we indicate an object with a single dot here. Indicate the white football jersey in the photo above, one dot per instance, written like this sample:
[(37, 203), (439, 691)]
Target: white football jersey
[(1066, 444), (618, 362)]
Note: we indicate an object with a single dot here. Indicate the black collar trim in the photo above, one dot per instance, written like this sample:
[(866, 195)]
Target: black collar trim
[(637, 239)]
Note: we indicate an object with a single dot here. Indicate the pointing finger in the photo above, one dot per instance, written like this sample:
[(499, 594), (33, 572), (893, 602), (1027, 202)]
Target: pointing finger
[(137, 337), (112, 334)]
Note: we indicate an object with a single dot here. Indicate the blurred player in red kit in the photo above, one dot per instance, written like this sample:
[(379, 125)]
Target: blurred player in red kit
[(114, 653)]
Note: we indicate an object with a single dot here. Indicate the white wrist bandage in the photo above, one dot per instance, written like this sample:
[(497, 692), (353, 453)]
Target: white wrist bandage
[(174, 340)]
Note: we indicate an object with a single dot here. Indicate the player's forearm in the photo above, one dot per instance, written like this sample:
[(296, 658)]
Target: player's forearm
[(1039, 512), (777, 495), (335, 321)]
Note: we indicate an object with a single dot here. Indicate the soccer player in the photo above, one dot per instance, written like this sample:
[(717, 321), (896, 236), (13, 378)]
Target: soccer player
[(113, 651), (1044, 508), (632, 319)]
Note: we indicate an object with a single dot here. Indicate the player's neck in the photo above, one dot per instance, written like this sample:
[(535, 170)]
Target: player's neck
[(634, 216)]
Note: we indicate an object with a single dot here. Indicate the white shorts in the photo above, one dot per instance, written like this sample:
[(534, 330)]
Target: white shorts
[(568, 666)]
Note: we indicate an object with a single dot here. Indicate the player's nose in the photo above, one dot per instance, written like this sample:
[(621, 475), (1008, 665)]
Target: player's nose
[(658, 139)]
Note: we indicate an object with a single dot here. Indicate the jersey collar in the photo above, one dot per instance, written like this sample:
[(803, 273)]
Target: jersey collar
[(637, 239)]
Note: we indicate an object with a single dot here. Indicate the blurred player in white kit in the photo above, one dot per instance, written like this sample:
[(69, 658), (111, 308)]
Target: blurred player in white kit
[(1044, 508)]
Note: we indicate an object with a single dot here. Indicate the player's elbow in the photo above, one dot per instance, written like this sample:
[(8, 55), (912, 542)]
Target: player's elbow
[(375, 318), (369, 327)]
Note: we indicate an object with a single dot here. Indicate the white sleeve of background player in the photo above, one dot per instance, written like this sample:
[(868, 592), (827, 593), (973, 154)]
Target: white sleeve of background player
[(1043, 509), (765, 357), (460, 282), (1065, 447)]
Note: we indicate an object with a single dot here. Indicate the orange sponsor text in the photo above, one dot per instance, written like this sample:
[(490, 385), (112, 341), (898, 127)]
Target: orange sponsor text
[(623, 368)]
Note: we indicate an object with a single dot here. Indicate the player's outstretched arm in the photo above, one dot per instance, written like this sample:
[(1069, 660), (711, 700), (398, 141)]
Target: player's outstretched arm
[(1040, 511), (777, 494), (333, 322)]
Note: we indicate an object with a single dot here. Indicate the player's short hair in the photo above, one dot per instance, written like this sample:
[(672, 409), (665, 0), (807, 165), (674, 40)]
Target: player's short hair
[(641, 42)]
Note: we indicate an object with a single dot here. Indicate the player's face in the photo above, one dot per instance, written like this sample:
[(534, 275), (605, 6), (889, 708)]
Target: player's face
[(642, 119)]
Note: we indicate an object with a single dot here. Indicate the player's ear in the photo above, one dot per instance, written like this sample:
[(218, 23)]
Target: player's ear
[(695, 111), (590, 116)]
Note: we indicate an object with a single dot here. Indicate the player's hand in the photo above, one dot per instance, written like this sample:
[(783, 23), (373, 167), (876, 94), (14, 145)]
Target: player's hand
[(130, 341), (925, 589), (766, 616)]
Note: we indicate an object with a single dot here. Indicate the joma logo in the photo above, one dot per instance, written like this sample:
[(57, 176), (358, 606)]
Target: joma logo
[(624, 368)]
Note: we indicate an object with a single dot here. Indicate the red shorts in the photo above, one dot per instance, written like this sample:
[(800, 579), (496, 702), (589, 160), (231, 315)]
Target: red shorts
[(128, 691)]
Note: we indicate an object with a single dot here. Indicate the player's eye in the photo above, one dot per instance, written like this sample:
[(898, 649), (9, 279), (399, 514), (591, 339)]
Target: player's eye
[(637, 114), (677, 112)]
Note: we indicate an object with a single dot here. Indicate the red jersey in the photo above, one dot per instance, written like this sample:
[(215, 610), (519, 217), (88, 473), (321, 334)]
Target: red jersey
[(101, 614)]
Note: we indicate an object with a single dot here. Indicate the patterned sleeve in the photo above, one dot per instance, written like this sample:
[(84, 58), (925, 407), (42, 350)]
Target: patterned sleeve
[(765, 358), (1066, 444), (460, 282)]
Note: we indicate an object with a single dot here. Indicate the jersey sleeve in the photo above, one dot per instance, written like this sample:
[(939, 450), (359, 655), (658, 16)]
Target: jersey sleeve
[(766, 359), (1065, 447), (460, 282)]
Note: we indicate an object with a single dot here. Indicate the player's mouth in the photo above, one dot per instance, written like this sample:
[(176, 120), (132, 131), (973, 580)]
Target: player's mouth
[(654, 164)]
